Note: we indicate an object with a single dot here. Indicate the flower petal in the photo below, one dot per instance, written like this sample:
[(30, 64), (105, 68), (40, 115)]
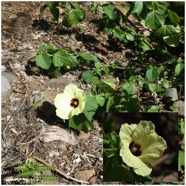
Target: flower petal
[(139, 167), (125, 132), (62, 103), (152, 152), (152, 145), (62, 100), (71, 89)]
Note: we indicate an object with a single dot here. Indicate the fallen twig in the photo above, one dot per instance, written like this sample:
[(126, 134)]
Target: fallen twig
[(60, 172)]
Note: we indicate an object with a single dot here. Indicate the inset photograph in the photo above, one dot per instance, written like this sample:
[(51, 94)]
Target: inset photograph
[(142, 147)]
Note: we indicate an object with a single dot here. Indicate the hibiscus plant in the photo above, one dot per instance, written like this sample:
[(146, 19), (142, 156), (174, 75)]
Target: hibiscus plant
[(77, 107)]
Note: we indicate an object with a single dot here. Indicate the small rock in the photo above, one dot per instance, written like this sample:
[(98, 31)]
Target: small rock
[(181, 106), (3, 68), (44, 100), (10, 76), (33, 86), (59, 83), (16, 65), (53, 133), (93, 180), (50, 95), (170, 96), (83, 135), (5, 88), (85, 175)]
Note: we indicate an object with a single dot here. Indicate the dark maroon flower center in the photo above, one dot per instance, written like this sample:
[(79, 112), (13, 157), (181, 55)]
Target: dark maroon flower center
[(135, 149), (74, 102)]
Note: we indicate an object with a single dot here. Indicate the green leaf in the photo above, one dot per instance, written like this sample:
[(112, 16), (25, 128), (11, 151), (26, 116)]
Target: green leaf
[(53, 9), (105, 87), (95, 80), (178, 68), (152, 87), (172, 41), (106, 70), (166, 85), (80, 123), (91, 106), (181, 161), (52, 5), (114, 65), (155, 19), (46, 48), (42, 8), (55, 13), (160, 5), (74, 4), (87, 57), (132, 104), (87, 76), (97, 64), (54, 71), (179, 79), (73, 17), (175, 19), (138, 7), (165, 30), (154, 108), (181, 126), (100, 100), (144, 45), (128, 87), (44, 61), (61, 58), (112, 101), (130, 37), (111, 82), (160, 88), (174, 108), (152, 74), (109, 10)]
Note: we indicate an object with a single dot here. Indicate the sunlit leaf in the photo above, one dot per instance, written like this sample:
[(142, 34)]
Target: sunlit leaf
[(73, 17), (90, 107), (155, 19), (138, 7), (109, 10), (175, 19), (152, 74), (44, 61), (87, 76)]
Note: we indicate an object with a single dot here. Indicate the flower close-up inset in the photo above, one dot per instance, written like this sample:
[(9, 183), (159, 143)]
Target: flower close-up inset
[(69, 103), (141, 146)]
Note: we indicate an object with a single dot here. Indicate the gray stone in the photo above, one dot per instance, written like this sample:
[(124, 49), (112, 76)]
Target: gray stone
[(10, 76), (3, 68), (85, 174), (181, 106), (59, 83), (5, 88), (171, 96), (44, 99)]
